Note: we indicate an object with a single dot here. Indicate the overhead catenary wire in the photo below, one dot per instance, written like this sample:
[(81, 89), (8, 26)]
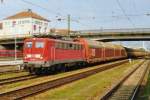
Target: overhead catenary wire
[(59, 17), (78, 22), (94, 18), (44, 8), (122, 9), (115, 17), (134, 5)]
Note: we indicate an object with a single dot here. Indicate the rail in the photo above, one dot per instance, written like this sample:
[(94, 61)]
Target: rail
[(32, 90), (114, 89)]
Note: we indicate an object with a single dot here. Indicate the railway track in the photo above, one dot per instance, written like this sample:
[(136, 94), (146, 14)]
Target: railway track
[(4, 69), (32, 90), (16, 79), (11, 71), (127, 87)]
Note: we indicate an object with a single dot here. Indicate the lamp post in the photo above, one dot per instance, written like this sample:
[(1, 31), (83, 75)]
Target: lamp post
[(15, 48), (68, 25)]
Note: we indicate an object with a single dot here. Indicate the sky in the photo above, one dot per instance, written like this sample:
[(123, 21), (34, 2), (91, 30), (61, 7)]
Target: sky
[(135, 44), (85, 14)]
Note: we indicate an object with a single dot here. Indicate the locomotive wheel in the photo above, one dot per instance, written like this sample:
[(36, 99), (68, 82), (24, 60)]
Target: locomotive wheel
[(63, 68), (58, 67), (46, 70), (31, 70), (38, 71), (49, 71)]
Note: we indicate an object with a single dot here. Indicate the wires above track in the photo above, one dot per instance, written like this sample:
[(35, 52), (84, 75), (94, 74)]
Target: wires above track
[(122, 9), (39, 6)]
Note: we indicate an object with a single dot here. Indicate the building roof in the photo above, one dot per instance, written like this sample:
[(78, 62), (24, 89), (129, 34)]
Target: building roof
[(27, 14)]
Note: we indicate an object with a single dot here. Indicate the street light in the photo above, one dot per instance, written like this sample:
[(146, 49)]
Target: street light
[(15, 43), (15, 48), (68, 21)]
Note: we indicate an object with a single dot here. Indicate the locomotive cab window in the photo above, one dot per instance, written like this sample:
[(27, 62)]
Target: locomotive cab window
[(28, 45), (39, 44)]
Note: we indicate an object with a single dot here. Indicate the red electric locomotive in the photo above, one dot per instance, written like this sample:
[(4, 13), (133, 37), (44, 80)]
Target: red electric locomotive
[(45, 54)]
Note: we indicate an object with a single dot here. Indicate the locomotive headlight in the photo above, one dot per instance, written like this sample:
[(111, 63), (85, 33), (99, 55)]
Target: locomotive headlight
[(28, 56), (41, 57), (37, 55)]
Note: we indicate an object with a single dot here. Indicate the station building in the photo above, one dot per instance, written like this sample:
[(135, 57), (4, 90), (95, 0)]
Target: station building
[(24, 23)]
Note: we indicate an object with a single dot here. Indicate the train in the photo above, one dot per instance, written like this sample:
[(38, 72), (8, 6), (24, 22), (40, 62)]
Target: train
[(49, 54), (134, 52), (5, 53)]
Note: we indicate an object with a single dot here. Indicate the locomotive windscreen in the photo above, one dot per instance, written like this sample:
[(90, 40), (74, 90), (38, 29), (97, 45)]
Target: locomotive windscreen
[(34, 49), (28, 45), (39, 44)]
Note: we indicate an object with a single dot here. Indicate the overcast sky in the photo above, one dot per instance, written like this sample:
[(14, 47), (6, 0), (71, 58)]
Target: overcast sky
[(86, 14)]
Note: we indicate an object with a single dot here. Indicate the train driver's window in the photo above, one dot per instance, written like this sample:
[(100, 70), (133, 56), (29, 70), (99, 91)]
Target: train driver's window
[(28, 44), (39, 44)]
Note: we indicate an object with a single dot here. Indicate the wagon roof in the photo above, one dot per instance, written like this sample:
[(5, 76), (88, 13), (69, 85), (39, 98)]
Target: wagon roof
[(116, 46), (103, 44)]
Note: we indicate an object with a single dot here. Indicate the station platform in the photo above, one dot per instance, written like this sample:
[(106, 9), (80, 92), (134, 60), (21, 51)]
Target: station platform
[(15, 62)]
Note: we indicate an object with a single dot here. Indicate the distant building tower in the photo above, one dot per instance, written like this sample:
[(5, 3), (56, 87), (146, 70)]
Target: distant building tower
[(22, 23)]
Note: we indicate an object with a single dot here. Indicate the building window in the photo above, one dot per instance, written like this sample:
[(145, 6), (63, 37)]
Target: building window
[(45, 29), (38, 22), (19, 22), (7, 23), (39, 29), (45, 24), (13, 23), (23, 22), (34, 27)]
